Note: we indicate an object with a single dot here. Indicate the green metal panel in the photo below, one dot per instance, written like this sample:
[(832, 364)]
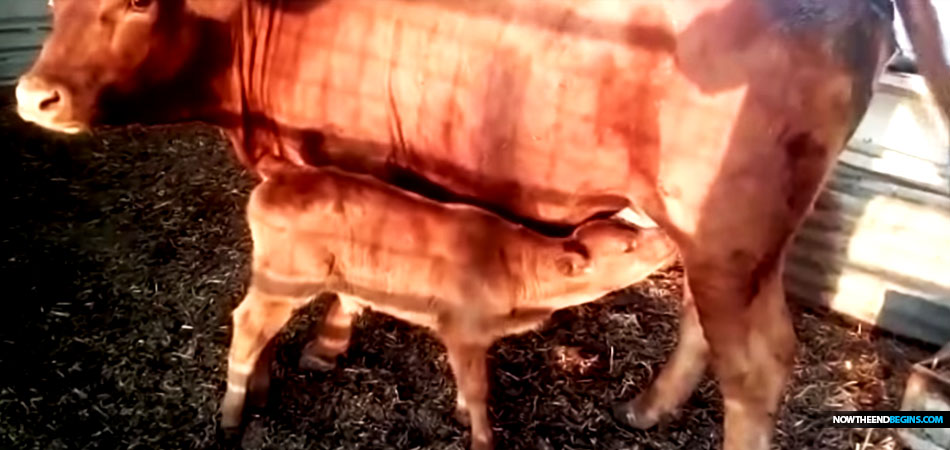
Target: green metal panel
[(23, 26)]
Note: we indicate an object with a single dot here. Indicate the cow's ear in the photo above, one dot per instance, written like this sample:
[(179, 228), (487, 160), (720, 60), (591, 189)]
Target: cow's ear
[(214, 9)]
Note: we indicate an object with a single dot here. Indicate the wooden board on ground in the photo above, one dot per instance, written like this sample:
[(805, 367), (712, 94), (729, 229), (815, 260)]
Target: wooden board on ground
[(877, 245)]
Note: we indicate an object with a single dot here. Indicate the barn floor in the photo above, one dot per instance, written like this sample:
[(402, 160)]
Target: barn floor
[(123, 253)]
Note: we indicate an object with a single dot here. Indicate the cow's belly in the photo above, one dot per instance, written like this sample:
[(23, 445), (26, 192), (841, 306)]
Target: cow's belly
[(551, 110)]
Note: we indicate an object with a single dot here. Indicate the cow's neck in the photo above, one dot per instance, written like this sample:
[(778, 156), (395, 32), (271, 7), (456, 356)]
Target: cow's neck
[(241, 104), (213, 90), (202, 91)]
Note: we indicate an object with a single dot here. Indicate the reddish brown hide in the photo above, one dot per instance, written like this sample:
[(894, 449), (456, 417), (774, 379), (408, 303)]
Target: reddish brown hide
[(717, 119), (421, 261)]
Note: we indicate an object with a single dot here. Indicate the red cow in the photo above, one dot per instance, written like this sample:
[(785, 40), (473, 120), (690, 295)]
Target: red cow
[(719, 120)]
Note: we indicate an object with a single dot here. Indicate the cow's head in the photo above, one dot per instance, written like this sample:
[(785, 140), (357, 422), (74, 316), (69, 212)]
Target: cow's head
[(107, 48)]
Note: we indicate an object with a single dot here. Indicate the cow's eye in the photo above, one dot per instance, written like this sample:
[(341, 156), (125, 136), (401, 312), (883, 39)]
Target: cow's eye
[(140, 4)]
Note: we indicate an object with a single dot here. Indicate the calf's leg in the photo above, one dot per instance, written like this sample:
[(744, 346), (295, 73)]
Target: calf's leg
[(679, 376), (256, 321), (468, 361), (258, 384), (333, 339)]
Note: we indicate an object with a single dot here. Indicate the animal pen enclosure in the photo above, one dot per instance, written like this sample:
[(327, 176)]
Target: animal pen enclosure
[(876, 247), (127, 250)]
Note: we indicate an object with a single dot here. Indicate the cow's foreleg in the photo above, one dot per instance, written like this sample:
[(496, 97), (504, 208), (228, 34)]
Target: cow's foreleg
[(256, 321), (679, 376), (752, 342), (321, 353), (468, 364)]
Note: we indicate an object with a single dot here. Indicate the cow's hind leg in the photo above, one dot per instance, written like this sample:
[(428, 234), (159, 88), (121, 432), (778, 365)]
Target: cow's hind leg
[(679, 376), (256, 321), (468, 361), (333, 339), (733, 255)]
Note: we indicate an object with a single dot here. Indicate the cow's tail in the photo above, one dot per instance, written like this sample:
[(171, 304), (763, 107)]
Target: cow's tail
[(920, 20)]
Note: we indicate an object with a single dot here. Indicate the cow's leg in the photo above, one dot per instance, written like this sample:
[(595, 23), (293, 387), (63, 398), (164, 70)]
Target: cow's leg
[(333, 339), (468, 364), (256, 321), (746, 322), (679, 376)]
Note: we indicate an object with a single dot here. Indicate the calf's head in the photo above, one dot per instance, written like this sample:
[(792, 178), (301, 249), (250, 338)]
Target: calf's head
[(107, 48), (609, 255)]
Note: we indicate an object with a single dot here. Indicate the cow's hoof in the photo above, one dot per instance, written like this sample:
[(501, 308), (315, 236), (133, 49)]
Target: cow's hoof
[(315, 363), (628, 415)]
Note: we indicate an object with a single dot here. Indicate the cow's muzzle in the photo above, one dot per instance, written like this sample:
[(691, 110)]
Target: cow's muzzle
[(46, 104)]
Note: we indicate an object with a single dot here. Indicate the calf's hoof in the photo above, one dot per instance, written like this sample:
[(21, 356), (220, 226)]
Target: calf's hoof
[(461, 415), (230, 437), (258, 388), (230, 431), (631, 415), (482, 442), (315, 363)]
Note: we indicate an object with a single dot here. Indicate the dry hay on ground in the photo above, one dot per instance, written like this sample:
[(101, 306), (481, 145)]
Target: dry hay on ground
[(125, 251)]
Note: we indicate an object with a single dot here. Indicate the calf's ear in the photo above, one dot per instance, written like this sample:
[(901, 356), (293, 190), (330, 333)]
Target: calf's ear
[(221, 10), (575, 260), (572, 264)]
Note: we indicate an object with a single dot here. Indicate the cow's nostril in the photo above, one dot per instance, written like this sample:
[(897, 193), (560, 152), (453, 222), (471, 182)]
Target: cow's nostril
[(50, 101)]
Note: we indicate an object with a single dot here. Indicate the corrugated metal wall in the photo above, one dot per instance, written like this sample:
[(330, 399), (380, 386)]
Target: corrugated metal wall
[(876, 246), (23, 25)]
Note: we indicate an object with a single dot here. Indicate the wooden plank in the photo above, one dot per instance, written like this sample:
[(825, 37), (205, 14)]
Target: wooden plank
[(919, 174), (935, 155), (903, 137), (904, 84), (847, 171), (927, 389), (871, 186)]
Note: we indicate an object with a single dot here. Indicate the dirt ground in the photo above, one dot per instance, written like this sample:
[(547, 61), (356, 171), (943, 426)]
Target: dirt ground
[(123, 253)]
